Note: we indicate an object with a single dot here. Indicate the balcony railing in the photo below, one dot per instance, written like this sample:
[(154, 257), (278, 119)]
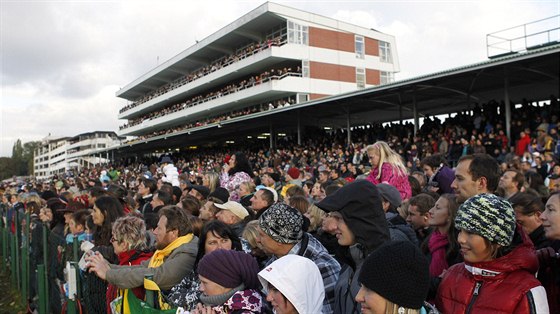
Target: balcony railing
[(201, 101), (524, 37), (215, 66)]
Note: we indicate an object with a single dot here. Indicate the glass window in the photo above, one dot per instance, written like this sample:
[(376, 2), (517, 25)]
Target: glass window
[(385, 52), (298, 34), (387, 77), (359, 46), (305, 68), (360, 77), (301, 98)]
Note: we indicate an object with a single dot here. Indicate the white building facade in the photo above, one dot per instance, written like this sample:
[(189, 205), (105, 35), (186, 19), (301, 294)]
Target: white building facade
[(271, 57), (58, 155)]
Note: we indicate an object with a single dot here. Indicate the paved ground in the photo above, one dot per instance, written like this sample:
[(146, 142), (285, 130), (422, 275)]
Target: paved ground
[(10, 299)]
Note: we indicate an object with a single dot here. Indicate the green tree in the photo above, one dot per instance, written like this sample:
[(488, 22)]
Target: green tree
[(17, 158), (6, 168), (27, 156)]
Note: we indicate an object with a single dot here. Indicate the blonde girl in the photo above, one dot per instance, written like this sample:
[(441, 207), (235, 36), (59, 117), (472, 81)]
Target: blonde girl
[(387, 167)]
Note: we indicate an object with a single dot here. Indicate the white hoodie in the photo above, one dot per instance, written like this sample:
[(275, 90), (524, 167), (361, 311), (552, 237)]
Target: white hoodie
[(298, 279), (171, 175)]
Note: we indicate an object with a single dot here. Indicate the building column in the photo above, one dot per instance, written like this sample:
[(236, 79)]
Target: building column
[(299, 128), (507, 106), (400, 110), (415, 113), (348, 131), (272, 137)]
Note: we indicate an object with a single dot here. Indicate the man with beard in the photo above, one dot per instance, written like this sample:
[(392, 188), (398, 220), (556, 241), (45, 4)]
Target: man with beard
[(176, 249)]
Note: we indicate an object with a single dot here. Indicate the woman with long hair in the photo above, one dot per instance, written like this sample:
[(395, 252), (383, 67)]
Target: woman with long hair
[(441, 245), (387, 167), (549, 271), (236, 171), (106, 210), (211, 180)]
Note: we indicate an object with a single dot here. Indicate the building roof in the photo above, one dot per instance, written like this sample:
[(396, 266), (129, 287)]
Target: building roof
[(530, 75), (247, 28)]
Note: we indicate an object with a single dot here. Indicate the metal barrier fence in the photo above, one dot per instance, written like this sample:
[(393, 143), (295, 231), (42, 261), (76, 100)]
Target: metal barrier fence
[(29, 257)]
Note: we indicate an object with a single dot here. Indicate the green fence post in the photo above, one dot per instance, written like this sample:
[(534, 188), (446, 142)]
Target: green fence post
[(13, 259), (75, 255), (25, 261), (42, 289), (2, 234), (4, 248), (46, 263), (18, 248)]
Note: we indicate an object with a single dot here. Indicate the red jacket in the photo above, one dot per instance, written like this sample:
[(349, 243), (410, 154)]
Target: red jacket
[(129, 258), (522, 144), (503, 285)]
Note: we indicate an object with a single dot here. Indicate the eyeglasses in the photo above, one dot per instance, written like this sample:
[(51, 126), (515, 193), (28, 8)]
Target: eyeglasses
[(113, 239)]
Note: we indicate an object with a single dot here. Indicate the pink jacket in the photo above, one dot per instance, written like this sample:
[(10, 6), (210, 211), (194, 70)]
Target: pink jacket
[(392, 176)]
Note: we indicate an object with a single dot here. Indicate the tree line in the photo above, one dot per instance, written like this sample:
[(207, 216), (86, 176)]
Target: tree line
[(21, 162)]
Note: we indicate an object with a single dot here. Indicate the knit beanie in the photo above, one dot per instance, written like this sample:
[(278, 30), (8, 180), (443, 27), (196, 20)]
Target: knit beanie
[(397, 271), (489, 216), (283, 223), (294, 173), (230, 269)]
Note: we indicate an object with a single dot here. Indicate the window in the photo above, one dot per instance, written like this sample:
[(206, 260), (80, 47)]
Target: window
[(387, 77), (301, 98), (305, 68), (297, 34), (385, 52), (360, 77), (359, 46)]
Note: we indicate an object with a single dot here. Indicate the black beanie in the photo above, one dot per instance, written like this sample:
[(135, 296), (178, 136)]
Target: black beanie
[(399, 272)]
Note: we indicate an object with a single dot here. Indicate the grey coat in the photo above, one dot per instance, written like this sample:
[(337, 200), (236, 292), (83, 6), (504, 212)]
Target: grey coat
[(174, 268)]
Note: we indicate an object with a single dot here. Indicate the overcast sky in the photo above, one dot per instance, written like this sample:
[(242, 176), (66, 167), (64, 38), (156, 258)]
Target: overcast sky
[(62, 61)]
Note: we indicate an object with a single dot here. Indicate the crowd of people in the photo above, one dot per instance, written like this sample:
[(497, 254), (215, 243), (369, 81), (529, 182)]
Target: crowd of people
[(455, 219), (273, 74), (241, 54), (215, 120)]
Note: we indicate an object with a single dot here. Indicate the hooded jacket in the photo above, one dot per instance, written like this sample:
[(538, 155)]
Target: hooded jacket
[(359, 203), (503, 285), (171, 175), (287, 275)]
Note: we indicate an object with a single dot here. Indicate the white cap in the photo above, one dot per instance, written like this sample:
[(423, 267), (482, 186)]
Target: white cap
[(234, 207)]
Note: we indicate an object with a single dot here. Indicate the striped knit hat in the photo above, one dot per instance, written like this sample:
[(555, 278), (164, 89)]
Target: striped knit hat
[(489, 216)]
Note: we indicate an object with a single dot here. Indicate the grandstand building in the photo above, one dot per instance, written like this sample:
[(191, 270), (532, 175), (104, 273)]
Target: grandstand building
[(272, 57), (58, 155)]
